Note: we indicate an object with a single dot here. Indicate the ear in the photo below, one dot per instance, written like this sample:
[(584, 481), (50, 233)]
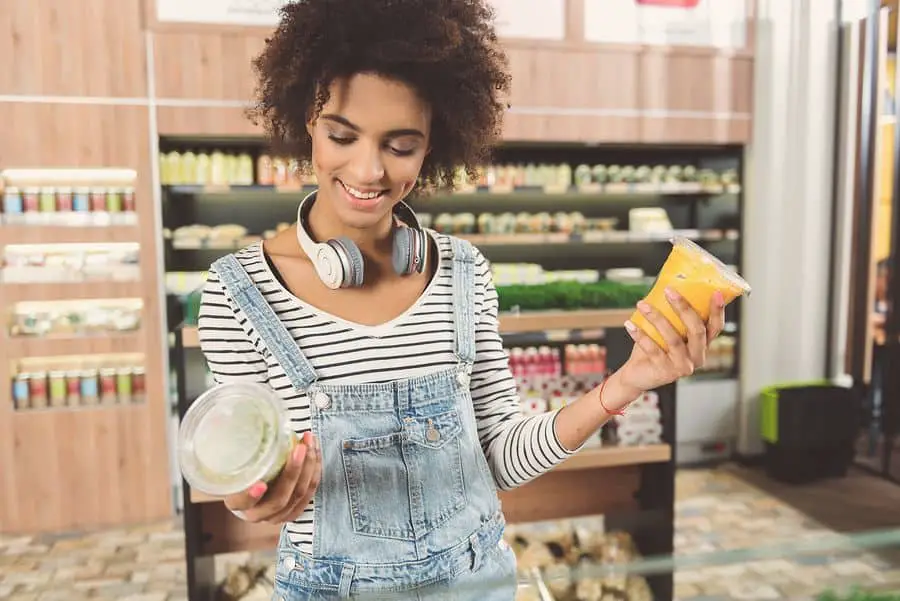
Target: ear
[(309, 127)]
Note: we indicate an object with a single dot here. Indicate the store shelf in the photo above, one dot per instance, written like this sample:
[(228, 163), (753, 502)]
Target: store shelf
[(110, 344), (563, 320), (14, 293), (599, 237), (536, 321), (636, 192), (60, 234), (608, 457), (617, 457)]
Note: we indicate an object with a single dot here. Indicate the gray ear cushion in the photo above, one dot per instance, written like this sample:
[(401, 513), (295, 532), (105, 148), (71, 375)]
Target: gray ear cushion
[(354, 269), (422, 251), (403, 247)]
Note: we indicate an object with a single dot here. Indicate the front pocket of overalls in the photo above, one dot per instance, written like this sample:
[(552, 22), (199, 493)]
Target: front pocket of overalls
[(405, 485)]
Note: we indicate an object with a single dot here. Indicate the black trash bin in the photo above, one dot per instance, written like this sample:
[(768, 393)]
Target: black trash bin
[(809, 431)]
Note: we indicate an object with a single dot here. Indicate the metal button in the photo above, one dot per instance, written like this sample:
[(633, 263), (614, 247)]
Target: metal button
[(432, 435), (463, 378), (503, 545), (322, 400), (289, 563)]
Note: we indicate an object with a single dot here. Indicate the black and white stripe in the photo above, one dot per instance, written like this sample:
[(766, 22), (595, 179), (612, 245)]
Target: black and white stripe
[(518, 448)]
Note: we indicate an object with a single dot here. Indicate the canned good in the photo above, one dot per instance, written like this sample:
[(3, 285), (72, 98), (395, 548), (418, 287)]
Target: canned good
[(31, 200), (12, 201), (107, 386), (73, 388), (124, 384), (58, 389), (38, 390), (90, 387), (64, 199), (98, 200), (138, 385), (47, 200), (22, 392), (81, 201), (114, 201), (128, 202)]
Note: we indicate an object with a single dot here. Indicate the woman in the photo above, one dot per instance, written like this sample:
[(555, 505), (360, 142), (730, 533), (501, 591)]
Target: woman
[(384, 341)]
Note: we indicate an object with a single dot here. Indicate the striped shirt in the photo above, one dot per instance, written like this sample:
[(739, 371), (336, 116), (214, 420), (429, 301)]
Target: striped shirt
[(518, 448)]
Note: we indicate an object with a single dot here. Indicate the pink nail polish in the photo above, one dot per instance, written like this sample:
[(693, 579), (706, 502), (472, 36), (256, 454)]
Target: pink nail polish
[(670, 294), (258, 490), (643, 307)]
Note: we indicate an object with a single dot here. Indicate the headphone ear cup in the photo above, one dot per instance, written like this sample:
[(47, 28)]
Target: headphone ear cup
[(351, 257), (404, 246)]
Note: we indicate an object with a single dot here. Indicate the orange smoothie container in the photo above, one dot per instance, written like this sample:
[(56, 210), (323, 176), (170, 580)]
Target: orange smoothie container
[(695, 274)]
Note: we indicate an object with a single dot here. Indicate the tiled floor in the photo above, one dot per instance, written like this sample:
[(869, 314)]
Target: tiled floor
[(717, 513)]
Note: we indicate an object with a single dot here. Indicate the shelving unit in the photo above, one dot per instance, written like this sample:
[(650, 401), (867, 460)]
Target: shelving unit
[(82, 421)]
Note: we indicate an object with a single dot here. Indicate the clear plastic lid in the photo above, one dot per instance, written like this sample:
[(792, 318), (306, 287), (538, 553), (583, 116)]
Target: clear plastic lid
[(233, 435), (705, 257)]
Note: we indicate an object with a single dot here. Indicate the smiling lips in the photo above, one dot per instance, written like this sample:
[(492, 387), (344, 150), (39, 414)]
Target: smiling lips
[(361, 198)]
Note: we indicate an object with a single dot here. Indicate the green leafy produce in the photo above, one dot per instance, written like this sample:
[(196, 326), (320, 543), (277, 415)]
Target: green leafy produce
[(570, 296)]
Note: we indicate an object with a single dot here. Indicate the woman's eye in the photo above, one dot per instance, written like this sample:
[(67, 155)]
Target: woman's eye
[(402, 152), (340, 140)]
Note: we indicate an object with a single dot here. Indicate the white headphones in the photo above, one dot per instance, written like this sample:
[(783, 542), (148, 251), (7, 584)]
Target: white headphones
[(339, 262)]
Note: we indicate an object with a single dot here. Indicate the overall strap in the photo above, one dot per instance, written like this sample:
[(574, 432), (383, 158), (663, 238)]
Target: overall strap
[(464, 299), (262, 317)]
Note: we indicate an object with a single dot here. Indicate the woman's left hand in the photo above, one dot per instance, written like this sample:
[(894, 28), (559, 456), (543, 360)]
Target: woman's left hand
[(649, 366)]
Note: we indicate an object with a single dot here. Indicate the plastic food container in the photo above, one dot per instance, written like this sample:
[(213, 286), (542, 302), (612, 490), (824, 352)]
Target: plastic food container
[(232, 436)]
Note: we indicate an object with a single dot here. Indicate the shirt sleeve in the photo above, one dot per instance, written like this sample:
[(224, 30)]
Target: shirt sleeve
[(518, 447), (228, 350)]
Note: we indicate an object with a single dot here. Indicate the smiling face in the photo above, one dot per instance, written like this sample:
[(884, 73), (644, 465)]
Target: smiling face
[(368, 145)]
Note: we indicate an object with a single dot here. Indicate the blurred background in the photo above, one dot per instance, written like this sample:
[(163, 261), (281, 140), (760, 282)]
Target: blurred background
[(763, 130)]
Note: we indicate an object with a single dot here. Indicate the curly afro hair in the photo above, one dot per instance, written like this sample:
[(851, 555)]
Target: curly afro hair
[(447, 50)]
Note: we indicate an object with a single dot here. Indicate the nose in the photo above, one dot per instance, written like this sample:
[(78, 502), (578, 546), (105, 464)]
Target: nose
[(367, 165)]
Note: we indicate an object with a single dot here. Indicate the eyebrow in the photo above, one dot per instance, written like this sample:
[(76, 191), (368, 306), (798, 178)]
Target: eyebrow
[(394, 133)]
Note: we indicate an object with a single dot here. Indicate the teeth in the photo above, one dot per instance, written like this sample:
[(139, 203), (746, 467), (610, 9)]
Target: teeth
[(361, 195)]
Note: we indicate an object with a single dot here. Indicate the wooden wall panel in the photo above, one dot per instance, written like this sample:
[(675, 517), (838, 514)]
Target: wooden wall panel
[(69, 47), (202, 121), (213, 66), (132, 483)]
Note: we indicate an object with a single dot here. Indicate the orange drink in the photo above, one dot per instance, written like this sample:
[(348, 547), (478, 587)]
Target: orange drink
[(696, 275)]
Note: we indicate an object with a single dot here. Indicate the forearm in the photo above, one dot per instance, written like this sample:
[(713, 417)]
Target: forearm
[(578, 421)]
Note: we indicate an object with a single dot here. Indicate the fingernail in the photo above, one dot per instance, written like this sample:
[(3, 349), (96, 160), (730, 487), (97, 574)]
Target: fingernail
[(671, 294), (643, 307), (258, 490), (630, 327), (720, 298)]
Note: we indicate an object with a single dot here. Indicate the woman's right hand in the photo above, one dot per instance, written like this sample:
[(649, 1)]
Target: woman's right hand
[(286, 497)]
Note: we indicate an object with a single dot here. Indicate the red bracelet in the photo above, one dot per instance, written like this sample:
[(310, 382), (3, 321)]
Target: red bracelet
[(600, 398)]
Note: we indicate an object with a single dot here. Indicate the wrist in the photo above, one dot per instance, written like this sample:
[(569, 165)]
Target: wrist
[(617, 393)]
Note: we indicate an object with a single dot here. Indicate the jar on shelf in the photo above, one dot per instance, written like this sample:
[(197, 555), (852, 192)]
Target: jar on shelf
[(73, 388), (124, 385), (107, 377), (58, 390), (22, 392), (38, 390), (90, 387)]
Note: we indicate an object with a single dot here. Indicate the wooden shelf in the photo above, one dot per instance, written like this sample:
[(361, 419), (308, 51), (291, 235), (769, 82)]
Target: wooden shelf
[(534, 321), (616, 457), (51, 291), (58, 234), (607, 457), (111, 344), (531, 321)]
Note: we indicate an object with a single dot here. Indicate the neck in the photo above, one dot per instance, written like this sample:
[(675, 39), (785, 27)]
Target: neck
[(376, 242)]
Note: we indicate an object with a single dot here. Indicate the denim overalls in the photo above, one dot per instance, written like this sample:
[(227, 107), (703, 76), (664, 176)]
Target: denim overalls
[(407, 507)]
